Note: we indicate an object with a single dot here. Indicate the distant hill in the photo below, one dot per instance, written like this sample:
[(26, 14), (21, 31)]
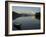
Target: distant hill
[(37, 15), (15, 15)]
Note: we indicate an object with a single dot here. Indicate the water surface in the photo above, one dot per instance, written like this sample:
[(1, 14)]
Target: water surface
[(26, 23)]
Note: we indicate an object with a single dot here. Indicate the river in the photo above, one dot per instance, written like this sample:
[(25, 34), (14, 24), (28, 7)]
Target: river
[(26, 23)]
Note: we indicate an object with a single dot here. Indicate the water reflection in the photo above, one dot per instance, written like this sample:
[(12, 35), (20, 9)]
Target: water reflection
[(26, 23)]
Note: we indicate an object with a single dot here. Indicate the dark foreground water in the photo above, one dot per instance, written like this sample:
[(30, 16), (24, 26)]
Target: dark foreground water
[(26, 23)]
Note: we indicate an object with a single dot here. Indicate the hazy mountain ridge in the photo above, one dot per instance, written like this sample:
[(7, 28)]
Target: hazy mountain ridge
[(15, 15)]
